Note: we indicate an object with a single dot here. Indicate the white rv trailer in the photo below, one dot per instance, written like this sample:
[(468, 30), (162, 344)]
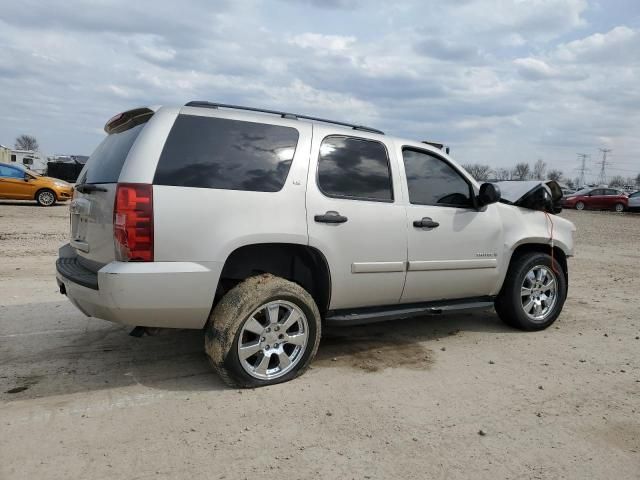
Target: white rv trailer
[(30, 159)]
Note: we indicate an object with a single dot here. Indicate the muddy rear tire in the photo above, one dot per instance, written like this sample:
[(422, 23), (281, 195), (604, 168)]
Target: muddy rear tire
[(264, 331)]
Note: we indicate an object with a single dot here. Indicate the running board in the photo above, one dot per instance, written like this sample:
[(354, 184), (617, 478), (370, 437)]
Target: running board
[(357, 316)]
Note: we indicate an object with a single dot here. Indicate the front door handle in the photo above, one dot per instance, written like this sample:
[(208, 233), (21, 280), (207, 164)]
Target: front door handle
[(426, 222), (330, 217)]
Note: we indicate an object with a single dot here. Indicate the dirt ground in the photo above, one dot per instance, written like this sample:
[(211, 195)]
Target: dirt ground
[(461, 396)]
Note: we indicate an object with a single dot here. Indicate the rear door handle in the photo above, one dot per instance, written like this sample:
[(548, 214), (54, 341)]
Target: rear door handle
[(426, 222), (330, 217)]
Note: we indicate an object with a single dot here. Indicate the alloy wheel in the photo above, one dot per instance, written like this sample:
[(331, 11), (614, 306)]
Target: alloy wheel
[(273, 340), (46, 198), (539, 293)]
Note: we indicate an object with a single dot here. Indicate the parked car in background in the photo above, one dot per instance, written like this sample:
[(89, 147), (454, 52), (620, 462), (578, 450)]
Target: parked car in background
[(597, 199), (634, 201), (19, 183)]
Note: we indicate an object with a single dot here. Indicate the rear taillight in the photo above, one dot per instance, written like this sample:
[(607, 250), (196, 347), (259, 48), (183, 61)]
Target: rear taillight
[(133, 222)]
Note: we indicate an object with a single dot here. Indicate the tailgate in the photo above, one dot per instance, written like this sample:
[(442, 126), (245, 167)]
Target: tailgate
[(92, 207), (92, 225)]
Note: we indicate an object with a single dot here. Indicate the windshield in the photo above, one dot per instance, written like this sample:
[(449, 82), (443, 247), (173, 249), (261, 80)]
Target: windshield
[(26, 170)]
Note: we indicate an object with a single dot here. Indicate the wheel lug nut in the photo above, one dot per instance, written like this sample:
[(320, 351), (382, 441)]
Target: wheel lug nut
[(277, 328), (266, 347), (268, 330)]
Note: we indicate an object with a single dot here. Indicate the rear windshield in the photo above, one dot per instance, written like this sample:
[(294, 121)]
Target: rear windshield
[(105, 163), (226, 154)]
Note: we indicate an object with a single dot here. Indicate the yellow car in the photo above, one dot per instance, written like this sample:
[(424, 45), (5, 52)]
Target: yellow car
[(21, 184)]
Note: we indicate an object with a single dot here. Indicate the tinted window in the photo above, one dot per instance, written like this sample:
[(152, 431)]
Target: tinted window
[(432, 181), (227, 154), (612, 192), (105, 163), (354, 168), (11, 172), (597, 192)]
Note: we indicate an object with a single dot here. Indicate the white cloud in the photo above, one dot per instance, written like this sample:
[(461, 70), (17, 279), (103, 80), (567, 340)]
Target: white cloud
[(321, 43), (619, 43)]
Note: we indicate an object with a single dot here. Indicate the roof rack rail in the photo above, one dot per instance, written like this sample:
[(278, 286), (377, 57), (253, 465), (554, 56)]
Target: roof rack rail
[(292, 116), (440, 146)]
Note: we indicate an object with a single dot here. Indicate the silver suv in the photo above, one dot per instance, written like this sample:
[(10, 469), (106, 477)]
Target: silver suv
[(261, 227)]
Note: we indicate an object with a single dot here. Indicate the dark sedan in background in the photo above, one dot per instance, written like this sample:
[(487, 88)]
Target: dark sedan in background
[(597, 199)]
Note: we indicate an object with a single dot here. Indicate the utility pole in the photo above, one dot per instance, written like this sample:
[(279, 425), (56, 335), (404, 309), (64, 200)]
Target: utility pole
[(583, 168), (602, 178)]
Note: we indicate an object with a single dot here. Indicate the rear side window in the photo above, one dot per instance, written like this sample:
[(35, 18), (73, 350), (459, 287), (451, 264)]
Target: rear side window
[(354, 168), (105, 163), (226, 154)]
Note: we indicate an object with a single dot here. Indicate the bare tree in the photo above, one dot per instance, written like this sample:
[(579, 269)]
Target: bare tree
[(555, 175), (616, 181), (571, 184), (503, 174), (638, 180), (478, 171), (521, 171), (539, 169), (26, 142)]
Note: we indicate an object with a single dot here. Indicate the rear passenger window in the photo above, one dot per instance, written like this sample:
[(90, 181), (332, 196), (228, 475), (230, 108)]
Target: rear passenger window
[(432, 181), (354, 168), (226, 154)]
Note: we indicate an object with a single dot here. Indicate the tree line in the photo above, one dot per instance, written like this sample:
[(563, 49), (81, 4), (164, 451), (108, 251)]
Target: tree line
[(539, 171)]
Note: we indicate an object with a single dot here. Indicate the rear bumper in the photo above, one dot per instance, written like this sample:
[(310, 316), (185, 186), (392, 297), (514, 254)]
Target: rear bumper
[(153, 294)]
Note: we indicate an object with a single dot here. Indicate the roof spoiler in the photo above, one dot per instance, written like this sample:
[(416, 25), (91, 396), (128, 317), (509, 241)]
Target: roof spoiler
[(129, 119)]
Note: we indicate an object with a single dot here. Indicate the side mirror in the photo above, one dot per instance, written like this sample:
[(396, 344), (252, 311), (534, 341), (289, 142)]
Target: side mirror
[(27, 177), (489, 193)]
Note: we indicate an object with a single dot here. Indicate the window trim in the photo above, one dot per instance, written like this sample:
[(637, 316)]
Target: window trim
[(349, 197), (472, 193)]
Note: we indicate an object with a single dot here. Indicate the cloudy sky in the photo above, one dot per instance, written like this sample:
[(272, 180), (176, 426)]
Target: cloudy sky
[(500, 81)]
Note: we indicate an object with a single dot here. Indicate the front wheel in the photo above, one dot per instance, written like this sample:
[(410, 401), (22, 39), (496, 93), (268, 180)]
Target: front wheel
[(265, 331), (533, 293), (580, 206), (619, 207), (46, 198)]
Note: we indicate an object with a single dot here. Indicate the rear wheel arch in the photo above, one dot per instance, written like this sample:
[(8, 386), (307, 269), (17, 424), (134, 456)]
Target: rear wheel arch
[(301, 264)]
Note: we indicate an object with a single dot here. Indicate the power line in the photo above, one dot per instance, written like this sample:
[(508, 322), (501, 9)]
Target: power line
[(583, 168), (602, 178)]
